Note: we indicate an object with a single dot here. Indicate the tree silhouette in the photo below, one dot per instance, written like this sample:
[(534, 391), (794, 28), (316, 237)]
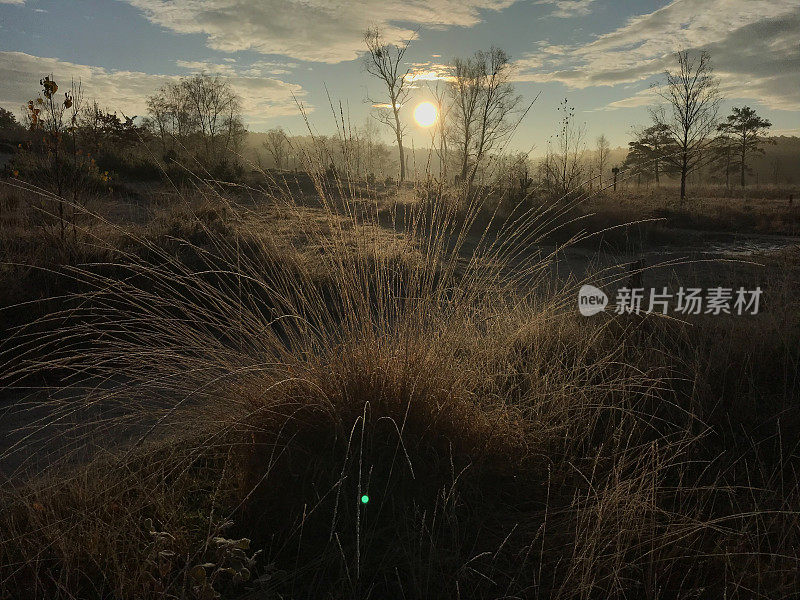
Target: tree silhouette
[(603, 149), (723, 151), (563, 166), (746, 131), (693, 98), (7, 119), (384, 62), (646, 154), (55, 118), (482, 102), (497, 100), (203, 108), (277, 144)]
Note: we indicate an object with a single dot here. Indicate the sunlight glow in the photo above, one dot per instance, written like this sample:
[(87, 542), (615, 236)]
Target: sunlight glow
[(425, 114)]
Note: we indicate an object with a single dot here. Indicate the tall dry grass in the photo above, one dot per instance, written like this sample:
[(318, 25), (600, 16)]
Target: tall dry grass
[(264, 364)]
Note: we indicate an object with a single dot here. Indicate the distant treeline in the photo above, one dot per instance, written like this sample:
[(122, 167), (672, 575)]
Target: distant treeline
[(65, 139)]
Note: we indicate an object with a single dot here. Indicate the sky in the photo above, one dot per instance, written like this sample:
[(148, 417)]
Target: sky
[(602, 55)]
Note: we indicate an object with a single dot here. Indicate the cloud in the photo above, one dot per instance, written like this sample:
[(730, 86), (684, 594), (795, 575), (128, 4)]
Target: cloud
[(645, 97), (327, 31), (429, 71), (762, 62), (229, 68), (753, 44), (268, 67), (564, 9), (197, 66), (125, 91)]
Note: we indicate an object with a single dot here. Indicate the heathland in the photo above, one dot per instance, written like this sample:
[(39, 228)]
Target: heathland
[(311, 380)]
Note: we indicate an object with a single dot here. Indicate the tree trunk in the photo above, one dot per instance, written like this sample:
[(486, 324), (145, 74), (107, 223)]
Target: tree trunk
[(399, 133), (742, 165), (402, 159), (728, 171), (443, 159), (684, 165), (683, 182), (465, 160)]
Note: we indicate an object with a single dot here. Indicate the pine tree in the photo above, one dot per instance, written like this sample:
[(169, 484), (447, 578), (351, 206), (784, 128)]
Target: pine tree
[(746, 130)]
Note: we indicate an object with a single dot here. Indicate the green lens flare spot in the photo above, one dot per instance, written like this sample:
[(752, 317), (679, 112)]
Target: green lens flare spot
[(364, 499)]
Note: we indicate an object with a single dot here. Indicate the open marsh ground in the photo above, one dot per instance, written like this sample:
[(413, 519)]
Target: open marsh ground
[(204, 385), (655, 254)]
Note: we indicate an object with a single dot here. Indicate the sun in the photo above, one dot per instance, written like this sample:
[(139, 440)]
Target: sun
[(425, 114)]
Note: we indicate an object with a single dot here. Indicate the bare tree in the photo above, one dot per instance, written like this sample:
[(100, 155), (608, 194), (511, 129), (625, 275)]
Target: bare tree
[(602, 152), (277, 144), (384, 62), (92, 125), (376, 152), (693, 99), (160, 119), (562, 166), (202, 107), (465, 89), (217, 111), (483, 101), (47, 113), (444, 103), (498, 100), (171, 117), (514, 174)]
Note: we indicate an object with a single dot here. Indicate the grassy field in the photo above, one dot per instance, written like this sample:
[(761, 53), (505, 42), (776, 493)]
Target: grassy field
[(363, 392)]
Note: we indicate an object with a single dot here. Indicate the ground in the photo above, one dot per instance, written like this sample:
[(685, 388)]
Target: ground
[(224, 362)]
